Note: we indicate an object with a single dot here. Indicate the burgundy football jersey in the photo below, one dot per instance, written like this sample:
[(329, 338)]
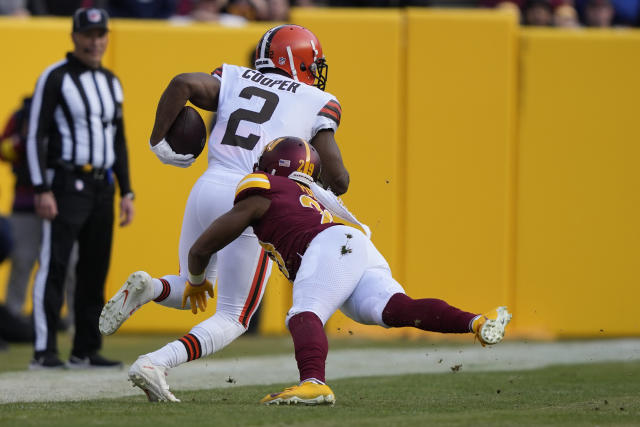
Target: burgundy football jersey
[(294, 218)]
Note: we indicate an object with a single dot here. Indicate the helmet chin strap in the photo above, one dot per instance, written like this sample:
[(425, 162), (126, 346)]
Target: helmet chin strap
[(302, 178), (294, 74)]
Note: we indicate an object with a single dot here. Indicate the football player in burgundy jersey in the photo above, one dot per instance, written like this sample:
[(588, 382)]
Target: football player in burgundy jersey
[(331, 265)]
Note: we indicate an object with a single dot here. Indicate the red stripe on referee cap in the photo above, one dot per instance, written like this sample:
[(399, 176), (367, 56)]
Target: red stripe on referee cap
[(254, 294)]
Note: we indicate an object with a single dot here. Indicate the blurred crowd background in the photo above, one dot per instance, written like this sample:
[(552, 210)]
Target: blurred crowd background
[(548, 13)]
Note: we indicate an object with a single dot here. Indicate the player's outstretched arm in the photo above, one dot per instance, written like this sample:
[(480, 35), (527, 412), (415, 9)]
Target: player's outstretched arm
[(200, 88), (334, 175), (224, 230)]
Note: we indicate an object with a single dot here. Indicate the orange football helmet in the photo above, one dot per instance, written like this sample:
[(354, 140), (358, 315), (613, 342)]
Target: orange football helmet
[(294, 50)]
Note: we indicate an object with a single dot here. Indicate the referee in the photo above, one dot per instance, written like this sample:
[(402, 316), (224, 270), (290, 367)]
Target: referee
[(76, 149)]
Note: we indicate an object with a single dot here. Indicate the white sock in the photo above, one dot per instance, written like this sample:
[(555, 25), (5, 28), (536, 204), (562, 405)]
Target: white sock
[(170, 356), (217, 332), (172, 295), (212, 335), (157, 287), (472, 321)]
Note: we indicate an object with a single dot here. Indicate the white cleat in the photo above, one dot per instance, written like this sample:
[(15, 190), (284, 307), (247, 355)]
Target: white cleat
[(151, 379), (136, 291), (491, 326)]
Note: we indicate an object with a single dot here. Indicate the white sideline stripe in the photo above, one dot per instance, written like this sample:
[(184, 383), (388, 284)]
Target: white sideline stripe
[(39, 316), (210, 373)]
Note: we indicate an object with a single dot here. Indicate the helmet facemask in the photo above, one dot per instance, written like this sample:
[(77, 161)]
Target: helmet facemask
[(320, 70)]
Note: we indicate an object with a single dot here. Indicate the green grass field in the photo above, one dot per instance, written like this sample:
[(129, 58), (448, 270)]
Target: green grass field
[(569, 395)]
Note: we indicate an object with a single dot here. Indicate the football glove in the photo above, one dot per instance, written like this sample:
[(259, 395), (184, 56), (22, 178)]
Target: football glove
[(197, 295), (165, 153)]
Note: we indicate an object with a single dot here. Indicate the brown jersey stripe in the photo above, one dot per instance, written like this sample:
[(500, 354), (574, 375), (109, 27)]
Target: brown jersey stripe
[(335, 104), (256, 288), (189, 347), (166, 290), (328, 108), (197, 348), (334, 113), (217, 72), (331, 115)]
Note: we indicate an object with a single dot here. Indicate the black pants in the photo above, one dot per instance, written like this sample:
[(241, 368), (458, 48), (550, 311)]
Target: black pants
[(85, 215)]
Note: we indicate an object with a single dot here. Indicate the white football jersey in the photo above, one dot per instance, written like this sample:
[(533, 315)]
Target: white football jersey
[(256, 108)]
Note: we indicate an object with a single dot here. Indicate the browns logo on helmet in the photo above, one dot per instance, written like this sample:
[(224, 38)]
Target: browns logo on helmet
[(286, 155), (294, 50)]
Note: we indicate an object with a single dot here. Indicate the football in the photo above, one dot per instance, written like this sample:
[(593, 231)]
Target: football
[(188, 133)]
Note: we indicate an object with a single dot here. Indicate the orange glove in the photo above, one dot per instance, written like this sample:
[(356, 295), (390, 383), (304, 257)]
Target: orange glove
[(197, 295)]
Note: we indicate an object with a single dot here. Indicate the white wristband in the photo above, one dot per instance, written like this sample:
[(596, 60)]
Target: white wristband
[(197, 280)]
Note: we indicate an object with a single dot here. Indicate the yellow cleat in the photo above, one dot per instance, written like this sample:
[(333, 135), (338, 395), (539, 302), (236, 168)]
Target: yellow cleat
[(489, 328), (307, 393)]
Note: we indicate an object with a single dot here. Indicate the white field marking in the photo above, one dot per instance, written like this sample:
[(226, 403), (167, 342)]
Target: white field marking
[(211, 373)]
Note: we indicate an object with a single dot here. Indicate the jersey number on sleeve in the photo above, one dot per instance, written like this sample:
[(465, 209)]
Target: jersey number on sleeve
[(248, 142)]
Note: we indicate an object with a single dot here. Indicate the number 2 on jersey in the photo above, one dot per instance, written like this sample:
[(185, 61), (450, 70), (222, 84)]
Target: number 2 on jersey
[(249, 142)]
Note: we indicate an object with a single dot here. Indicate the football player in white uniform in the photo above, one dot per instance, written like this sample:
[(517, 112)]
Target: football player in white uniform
[(284, 95)]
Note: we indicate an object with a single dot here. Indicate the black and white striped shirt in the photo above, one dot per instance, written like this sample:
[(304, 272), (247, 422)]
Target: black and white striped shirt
[(76, 119)]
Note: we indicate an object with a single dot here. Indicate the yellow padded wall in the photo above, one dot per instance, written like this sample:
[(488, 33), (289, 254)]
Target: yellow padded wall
[(578, 232), (461, 75)]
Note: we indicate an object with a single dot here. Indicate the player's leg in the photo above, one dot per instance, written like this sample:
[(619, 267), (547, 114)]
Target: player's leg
[(211, 197), (380, 300), (331, 268), (436, 315), (203, 206), (244, 270)]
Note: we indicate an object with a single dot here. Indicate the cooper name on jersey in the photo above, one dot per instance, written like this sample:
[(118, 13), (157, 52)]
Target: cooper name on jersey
[(258, 77)]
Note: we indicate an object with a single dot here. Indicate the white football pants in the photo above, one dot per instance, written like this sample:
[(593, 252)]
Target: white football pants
[(242, 268), (342, 269)]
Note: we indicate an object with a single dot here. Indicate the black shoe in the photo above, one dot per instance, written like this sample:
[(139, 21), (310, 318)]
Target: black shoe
[(46, 361), (92, 362)]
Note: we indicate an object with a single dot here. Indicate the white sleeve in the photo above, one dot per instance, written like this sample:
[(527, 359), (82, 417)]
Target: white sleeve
[(337, 208), (328, 117)]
